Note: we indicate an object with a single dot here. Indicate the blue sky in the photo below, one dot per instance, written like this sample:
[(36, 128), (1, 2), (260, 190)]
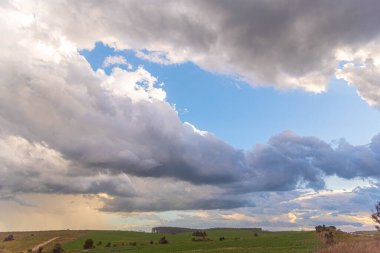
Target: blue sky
[(243, 115)]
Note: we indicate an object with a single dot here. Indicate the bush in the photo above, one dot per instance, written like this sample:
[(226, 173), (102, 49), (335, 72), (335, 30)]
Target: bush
[(9, 238), (324, 228), (151, 242), (163, 241), (99, 243), (222, 238), (256, 234), (57, 248), (108, 245), (88, 244)]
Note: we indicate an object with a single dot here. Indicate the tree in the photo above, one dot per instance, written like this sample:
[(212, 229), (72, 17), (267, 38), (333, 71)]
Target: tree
[(199, 233), (88, 244), (376, 216)]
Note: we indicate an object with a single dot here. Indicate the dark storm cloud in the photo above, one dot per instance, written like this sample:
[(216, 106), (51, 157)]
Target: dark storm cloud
[(287, 44)]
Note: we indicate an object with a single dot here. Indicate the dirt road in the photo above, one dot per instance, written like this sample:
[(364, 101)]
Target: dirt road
[(35, 248)]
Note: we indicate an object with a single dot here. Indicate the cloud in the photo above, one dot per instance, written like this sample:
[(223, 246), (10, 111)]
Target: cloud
[(365, 77), (116, 60), (283, 45)]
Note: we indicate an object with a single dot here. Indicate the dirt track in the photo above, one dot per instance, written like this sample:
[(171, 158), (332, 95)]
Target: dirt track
[(35, 248)]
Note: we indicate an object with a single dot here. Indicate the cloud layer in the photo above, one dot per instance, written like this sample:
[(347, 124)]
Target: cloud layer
[(294, 44)]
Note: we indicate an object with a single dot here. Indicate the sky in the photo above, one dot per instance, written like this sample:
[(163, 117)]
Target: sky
[(130, 115)]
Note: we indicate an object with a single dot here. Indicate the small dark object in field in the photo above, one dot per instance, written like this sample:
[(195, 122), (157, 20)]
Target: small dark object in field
[(256, 234), (99, 243), (115, 245), (57, 248), (88, 244), (122, 244), (9, 238), (30, 250), (163, 241), (40, 249), (132, 244), (108, 245), (199, 233), (222, 238), (151, 242)]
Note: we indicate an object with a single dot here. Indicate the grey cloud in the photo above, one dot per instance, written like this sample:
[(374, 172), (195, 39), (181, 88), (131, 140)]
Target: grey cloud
[(294, 159), (292, 44)]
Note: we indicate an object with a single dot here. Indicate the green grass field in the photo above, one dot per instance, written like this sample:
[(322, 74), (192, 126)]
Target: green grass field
[(236, 240)]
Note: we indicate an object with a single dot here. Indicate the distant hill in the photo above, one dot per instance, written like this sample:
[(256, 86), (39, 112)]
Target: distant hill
[(171, 230), (175, 230)]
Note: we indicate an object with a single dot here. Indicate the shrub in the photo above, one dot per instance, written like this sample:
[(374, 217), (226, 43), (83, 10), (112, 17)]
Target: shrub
[(324, 228), (108, 245), (256, 234), (99, 243), (9, 238), (163, 241), (88, 244), (57, 248), (222, 238), (151, 242)]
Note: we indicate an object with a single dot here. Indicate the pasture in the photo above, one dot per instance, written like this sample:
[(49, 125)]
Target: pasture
[(217, 240)]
